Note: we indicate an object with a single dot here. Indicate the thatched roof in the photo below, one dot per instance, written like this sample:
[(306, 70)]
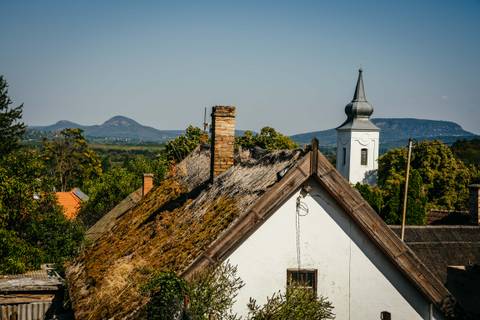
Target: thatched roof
[(186, 223), (108, 221), (170, 227)]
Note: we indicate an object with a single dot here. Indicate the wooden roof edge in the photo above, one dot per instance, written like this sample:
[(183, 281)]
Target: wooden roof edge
[(385, 238)]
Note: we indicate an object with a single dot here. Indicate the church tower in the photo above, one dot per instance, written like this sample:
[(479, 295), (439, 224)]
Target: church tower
[(358, 140)]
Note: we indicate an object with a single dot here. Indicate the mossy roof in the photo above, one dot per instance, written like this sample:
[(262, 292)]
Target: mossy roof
[(167, 230)]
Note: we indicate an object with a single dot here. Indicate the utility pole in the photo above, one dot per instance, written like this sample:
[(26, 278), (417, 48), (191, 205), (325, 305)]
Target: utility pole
[(205, 123), (407, 174)]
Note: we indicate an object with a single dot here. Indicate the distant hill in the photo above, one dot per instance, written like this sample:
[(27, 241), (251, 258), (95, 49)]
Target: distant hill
[(117, 128), (396, 131)]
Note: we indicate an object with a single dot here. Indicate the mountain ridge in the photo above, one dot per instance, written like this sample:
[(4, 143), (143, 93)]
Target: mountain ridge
[(393, 131)]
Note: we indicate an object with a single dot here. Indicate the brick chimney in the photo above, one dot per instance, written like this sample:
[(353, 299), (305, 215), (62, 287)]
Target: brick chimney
[(147, 183), (474, 203), (223, 140)]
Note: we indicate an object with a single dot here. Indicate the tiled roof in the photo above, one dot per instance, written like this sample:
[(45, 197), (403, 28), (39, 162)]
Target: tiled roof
[(70, 203), (442, 246)]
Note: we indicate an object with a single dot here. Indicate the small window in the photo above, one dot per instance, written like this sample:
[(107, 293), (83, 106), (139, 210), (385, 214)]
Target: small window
[(344, 156), (306, 278), (385, 315), (364, 157)]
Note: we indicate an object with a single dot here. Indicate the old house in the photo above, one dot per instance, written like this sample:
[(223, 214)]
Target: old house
[(34, 295), (278, 215), (70, 201)]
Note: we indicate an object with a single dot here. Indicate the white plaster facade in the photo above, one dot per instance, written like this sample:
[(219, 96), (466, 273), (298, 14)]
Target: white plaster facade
[(353, 273), (349, 150)]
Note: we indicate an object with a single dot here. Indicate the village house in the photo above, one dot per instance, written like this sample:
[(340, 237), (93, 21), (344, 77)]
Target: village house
[(276, 216), (34, 295), (70, 202)]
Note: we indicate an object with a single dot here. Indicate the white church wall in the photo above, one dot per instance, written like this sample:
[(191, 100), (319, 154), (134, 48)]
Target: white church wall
[(354, 142), (355, 276)]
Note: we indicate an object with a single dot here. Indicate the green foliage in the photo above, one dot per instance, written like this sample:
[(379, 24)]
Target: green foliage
[(209, 294), (180, 147), (114, 185), (373, 195), (16, 254), (295, 303), (268, 139), (445, 178), (167, 293), (70, 160), (437, 179), (212, 293), (468, 151), (33, 229), (106, 192), (11, 127)]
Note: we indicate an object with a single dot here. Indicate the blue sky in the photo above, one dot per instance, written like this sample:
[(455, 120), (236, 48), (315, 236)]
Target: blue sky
[(287, 64)]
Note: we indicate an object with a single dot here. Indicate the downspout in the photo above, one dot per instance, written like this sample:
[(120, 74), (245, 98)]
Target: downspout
[(430, 311)]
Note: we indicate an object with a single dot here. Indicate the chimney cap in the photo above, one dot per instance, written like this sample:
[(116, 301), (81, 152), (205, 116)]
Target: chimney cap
[(148, 174)]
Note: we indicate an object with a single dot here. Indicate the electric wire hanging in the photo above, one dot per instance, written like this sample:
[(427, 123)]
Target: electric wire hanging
[(301, 206)]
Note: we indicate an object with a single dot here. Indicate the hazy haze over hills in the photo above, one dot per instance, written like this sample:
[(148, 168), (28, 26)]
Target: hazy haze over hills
[(393, 131)]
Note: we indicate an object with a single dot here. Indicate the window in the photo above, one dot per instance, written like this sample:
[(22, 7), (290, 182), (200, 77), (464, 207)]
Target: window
[(344, 156), (306, 278), (385, 315), (364, 157)]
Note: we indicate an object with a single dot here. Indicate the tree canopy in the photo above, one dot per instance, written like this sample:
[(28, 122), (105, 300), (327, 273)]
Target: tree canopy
[(11, 126), (268, 139), (33, 229), (438, 179), (70, 160)]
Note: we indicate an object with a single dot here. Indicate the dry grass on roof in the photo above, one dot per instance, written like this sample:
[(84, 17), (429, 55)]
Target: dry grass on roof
[(166, 231)]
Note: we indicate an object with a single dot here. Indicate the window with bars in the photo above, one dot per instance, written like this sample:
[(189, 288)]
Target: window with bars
[(306, 278), (364, 157)]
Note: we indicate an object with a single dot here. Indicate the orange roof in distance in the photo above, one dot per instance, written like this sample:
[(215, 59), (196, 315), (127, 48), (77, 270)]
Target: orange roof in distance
[(70, 201)]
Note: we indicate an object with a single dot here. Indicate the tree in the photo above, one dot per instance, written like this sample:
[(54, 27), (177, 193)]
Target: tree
[(468, 151), (11, 126), (268, 139), (180, 147), (438, 179), (209, 294), (33, 229), (445, 178), (295, 303), (105, 192), (71, 161)]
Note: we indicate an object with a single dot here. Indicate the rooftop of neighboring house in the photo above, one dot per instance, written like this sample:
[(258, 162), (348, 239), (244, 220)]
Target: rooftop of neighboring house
[(44, 279), (70, 201)]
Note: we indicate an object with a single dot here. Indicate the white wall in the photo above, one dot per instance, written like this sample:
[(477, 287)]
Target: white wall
[(355, 276), (354, 141)]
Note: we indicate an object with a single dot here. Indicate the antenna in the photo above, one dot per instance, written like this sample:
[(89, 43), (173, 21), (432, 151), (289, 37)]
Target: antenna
[(205, 123)]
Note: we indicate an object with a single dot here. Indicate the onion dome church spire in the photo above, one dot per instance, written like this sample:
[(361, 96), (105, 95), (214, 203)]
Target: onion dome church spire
[(358, 139), (358, 110)]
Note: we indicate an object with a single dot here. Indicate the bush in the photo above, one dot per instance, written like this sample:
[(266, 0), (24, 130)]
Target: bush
[(295, 303)]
